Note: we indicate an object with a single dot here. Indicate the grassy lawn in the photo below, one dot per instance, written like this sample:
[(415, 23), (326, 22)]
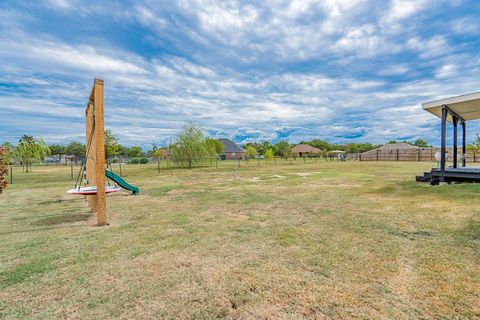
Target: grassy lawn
[(325, 240)]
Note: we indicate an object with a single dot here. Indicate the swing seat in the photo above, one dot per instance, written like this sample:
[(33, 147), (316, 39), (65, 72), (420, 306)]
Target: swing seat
[(85, 191)]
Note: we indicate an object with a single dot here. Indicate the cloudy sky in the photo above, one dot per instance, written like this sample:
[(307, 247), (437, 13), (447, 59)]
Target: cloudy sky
[(340, 70)]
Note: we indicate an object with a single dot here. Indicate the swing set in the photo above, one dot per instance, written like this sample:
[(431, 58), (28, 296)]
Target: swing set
[(92, 172)]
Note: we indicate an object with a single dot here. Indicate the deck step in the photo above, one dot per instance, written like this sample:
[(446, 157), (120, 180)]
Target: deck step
[(427, 177)]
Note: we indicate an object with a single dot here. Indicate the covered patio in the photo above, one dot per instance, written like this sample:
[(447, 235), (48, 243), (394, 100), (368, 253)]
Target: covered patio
[(457, 111)]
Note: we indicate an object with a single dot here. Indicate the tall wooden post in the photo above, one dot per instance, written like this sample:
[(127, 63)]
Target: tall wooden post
[(100, 153), (95, 156)]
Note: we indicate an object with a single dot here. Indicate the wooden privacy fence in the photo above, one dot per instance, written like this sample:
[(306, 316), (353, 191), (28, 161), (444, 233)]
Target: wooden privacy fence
[(427, 154)]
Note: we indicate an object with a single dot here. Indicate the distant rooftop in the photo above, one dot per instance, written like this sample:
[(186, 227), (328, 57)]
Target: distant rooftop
[(398, 145), (230, 146), (305, 148)]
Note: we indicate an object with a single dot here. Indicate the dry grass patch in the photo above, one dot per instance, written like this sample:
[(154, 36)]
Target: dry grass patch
[(303, 241)]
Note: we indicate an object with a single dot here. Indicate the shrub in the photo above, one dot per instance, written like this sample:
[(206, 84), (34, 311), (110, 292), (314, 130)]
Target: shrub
[(3, 167), (143, 160), (134, 161)]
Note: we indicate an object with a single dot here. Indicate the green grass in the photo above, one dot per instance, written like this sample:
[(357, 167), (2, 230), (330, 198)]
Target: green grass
[(315, 240)]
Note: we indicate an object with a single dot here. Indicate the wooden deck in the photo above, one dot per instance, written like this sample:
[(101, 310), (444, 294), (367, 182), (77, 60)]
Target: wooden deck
[(462, 174)]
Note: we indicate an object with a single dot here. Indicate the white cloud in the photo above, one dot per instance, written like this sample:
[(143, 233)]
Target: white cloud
[(467, 25), (404, 9), (446, 71), (264, 70)]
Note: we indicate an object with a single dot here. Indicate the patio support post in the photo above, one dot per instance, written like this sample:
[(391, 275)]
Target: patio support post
[(443, 138), (455, 141), (464, 144)]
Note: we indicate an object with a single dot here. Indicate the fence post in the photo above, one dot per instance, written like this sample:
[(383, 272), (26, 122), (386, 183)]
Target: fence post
[(275, 159), (304, 160), (398, 155), (120, 165), (216, 163), (11, 174), (258, 160), (418, 155), (239, 162), (158, 165), (71, 171), (377, 154)]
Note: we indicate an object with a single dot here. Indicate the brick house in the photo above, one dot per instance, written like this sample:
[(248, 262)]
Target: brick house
[(231, 150)]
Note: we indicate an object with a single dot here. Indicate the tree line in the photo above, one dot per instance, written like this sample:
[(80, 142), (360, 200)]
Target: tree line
[(189, 146)]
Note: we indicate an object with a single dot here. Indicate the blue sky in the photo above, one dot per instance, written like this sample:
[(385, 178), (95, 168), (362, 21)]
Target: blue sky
[(343, 71)]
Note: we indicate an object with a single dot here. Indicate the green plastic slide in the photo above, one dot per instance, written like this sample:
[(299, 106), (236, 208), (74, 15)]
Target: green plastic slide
[(122, 183)]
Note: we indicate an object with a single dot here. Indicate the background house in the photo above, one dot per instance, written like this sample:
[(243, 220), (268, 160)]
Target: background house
[(399, 151), (304, 150), (231, 150)]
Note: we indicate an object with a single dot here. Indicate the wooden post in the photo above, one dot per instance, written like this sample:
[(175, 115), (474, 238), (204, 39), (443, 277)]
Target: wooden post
[(71, 171), (11, 174), (96, 151), (100, 153)]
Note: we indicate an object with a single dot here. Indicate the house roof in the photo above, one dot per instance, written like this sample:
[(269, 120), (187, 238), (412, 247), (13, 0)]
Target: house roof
[(466, 106), (398, 145), (230, 146), (394, 146), (305, 148)]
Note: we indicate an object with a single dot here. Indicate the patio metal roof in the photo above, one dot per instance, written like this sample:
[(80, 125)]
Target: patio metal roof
[(466, 106)]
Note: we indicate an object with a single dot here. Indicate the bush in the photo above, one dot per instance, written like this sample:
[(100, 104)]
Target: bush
[(143, 160), (134, 161)]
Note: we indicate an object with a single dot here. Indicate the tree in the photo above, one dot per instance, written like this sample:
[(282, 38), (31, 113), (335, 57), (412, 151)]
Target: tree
[(9, 153), (392, 141), (58, 151), (4, 152), (30, 149), (359, 147), (257, 146), (112, 147), (251, 151), (268, 154), (214, 147), (134, 152), (476, 141), (474, 147), (283, 149), (421, 143), (189, 146), (319, 144), (75, 149)]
